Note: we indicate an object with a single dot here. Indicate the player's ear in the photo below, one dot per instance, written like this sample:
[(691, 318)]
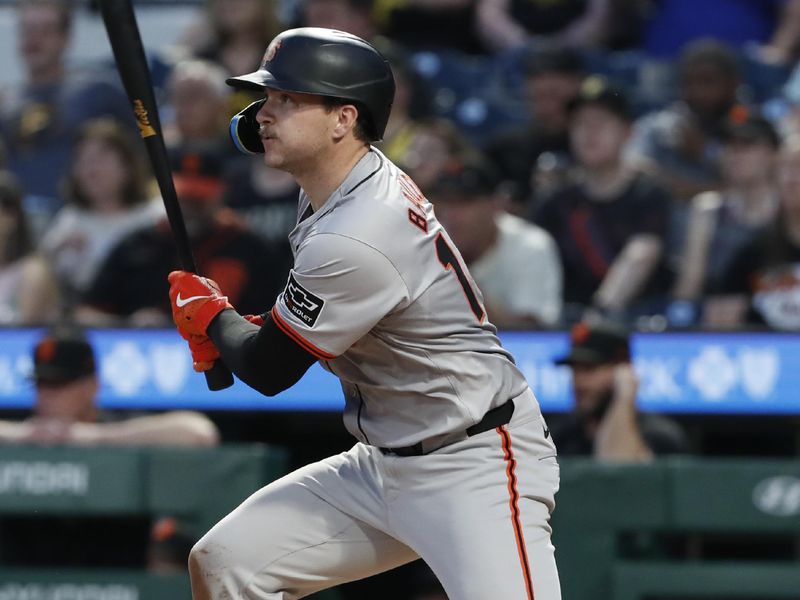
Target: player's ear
[(347, 116)]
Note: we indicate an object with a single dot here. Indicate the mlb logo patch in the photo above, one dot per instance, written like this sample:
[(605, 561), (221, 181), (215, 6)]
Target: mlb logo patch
[(302, 303)]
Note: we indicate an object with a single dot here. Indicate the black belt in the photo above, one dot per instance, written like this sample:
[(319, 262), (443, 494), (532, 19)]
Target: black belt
[(494, 418)]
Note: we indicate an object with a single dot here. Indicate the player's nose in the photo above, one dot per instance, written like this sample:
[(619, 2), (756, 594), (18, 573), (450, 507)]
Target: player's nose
[(264, 114)]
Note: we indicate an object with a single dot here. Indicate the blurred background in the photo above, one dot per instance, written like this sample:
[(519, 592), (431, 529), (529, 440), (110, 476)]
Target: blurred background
[(622, 178)]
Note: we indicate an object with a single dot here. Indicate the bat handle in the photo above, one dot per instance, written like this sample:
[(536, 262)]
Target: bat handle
[(218, 377)]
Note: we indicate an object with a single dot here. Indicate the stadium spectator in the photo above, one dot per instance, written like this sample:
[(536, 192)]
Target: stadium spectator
[(28, 288), (719, 223), (515, 263), (40, 121), (682, 143), (352, 16), (553, 76), (131, 287), (107, 195), (436, 145), (762, 287), (199, 99), (430, 24), (605, 422), (411, 103), (610, 221), (65, 408), (508, 24), (233, 33), (267, 201), (771, 28)]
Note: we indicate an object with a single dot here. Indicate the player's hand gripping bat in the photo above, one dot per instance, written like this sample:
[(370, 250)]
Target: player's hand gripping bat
[(123, 33)]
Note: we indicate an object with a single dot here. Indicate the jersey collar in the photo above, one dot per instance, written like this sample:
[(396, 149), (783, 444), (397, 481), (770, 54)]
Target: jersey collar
[(367, 166)]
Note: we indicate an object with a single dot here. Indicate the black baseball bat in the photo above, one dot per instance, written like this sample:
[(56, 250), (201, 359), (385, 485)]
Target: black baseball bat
[(123, 33)]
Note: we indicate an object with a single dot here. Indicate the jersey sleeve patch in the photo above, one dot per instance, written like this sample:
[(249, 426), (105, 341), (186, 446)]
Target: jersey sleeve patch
[(301, 303)]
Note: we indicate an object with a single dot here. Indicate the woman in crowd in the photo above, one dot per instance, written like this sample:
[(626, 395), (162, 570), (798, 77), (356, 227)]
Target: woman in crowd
[(107, 195)]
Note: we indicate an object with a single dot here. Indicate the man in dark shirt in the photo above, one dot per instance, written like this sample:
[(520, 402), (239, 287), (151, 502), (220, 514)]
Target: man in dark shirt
[(605, 422), (552, 78), (130, 287), (609, 221)]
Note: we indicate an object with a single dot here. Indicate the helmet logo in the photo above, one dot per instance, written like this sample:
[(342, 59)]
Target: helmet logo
[(272, 50)]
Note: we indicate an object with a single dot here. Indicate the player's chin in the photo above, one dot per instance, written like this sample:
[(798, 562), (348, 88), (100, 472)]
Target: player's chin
[(271, 158)]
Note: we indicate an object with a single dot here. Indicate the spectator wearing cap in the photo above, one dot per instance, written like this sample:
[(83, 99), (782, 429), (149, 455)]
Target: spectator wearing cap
[(605, 422), (682, 143), (762, 286), (721, 222), (553, 78), (609, 220), (514, 263), (131, 285), (65, 408)]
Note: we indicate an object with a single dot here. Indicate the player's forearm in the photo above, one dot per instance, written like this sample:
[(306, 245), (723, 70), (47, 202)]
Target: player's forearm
[(263, 357), (13, 433), (629, 272), (178, 428), (619, 440), (496, 28), (618, 436)]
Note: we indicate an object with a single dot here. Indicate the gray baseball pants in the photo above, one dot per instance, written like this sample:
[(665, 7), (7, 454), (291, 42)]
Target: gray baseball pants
[(477, 511)]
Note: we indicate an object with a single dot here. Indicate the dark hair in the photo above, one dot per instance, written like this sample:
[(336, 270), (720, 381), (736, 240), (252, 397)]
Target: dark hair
[(364, 128), (111, 133), (19, 243), (711, 52)]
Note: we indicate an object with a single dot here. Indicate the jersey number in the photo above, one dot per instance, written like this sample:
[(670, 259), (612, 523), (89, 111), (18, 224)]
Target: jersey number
[(449, 260)]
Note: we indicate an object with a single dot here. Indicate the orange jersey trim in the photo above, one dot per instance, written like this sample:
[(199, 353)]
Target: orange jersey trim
[(513, 502), (297, 338)]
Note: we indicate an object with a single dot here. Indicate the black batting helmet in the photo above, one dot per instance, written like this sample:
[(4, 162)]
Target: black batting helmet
[(326, 62)]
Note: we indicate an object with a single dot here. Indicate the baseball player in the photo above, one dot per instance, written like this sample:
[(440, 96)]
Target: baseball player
[(453, 462)]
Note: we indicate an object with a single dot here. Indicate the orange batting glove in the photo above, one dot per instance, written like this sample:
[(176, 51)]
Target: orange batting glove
[(195, 302), (204, 352), (255, 319)]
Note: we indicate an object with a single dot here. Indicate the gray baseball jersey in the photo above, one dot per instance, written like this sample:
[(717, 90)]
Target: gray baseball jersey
[(381, 296)]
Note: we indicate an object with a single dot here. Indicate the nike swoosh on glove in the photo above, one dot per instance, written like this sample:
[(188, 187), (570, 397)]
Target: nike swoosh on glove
[(195, 302)]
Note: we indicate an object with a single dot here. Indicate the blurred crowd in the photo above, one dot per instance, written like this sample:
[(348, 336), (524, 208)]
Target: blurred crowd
[(637, 160)]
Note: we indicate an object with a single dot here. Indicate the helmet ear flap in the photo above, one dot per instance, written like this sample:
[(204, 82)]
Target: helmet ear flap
[(244, 129)]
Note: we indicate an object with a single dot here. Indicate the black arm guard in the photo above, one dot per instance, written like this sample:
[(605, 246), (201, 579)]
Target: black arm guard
[(264, 357)]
